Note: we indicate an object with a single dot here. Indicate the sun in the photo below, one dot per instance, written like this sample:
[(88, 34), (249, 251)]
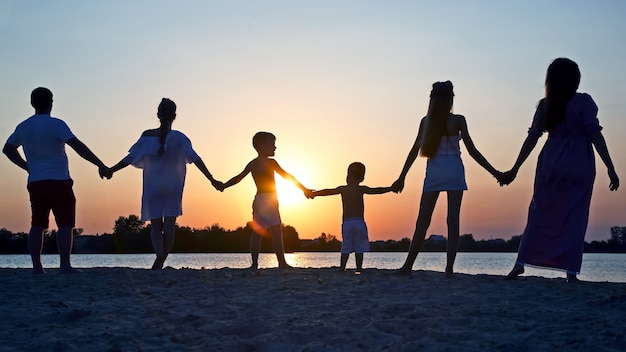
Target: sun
[(288, 193)]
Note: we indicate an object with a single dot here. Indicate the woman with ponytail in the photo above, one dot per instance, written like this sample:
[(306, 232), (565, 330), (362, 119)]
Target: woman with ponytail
[(559, 211), (438, 140), (163, 153)]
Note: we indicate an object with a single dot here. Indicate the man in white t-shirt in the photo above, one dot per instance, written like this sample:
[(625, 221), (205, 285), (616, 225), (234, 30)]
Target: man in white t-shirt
[(43, 140)]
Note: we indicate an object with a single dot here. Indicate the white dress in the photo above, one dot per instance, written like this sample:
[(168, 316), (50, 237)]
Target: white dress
[(445, 171), (163, 175)]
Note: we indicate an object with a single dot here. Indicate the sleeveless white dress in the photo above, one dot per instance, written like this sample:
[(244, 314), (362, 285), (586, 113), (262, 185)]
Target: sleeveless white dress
[(445, 171)]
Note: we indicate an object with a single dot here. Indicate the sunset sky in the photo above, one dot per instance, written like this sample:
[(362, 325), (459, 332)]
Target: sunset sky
[(335, 81)]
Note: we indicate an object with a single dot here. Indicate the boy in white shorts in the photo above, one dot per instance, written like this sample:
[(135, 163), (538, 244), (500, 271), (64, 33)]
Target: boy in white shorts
[(353, 229), (265, 213)]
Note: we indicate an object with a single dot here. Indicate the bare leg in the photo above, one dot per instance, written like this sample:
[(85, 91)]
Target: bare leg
[(359, 261), (427, 206), (64, 244), (169, 234), (454, 211), (255, 248), (35, 246), (344, 261), (156, 236), (517, 270), (277, 243), (571, 278)]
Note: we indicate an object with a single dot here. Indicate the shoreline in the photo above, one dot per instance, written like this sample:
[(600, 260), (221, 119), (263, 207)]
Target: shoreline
[(596, 267), (124, 309)]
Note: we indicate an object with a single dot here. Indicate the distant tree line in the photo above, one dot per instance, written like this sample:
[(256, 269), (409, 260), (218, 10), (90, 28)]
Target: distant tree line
[(131, 235)]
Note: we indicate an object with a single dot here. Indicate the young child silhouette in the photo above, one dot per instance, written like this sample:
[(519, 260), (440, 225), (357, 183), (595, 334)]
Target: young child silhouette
[(265, 214), (353, 228)]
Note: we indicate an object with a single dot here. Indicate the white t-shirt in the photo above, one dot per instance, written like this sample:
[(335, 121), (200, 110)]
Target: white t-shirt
[(43, 137)]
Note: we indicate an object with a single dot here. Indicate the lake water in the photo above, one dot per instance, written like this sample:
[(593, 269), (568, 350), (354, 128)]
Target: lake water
[(596, 266)]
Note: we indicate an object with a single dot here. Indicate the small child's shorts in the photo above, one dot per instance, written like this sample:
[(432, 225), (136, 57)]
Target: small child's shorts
[(265, 210), (354, 236)]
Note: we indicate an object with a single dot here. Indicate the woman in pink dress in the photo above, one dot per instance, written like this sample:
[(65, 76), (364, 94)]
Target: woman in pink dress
[(559, 211)]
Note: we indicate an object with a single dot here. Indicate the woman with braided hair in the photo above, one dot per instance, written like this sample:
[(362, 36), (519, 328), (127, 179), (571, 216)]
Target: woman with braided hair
[(163, 153)]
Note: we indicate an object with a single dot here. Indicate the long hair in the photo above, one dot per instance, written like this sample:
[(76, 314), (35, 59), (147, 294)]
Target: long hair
[(441, 98), (167, 114), (562, 80)]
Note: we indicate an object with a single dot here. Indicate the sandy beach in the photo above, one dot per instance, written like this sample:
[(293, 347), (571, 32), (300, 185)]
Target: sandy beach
[(122, 309)]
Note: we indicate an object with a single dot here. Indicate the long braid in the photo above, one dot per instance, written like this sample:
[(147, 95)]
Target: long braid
[(167, 114)]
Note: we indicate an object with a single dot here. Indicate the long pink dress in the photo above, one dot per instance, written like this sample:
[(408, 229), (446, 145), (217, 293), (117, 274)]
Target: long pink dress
[(559, 211)]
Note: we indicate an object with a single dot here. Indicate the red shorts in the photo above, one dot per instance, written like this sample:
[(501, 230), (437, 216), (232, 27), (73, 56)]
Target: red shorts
[(55, 195)]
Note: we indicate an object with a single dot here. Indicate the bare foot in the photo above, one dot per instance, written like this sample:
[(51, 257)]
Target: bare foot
[(449, 273), (285, 266), (515, 272), (69, 270), (572, 279)]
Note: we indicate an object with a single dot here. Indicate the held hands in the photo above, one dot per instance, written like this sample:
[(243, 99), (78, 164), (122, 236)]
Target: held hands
[(505, 178), (309, 193), (105, 172), (498, 175), (398, 185), (218, 185)]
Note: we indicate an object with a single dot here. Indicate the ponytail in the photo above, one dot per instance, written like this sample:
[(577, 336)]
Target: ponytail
[(167, 114)]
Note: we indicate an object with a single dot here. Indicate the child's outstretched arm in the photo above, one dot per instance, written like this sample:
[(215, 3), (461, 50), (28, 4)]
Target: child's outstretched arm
[(376, 190), (235, 180), (202, 167), (473, 151), (326, 192)]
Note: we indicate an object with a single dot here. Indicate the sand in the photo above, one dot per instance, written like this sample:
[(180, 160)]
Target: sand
[(122, 309)]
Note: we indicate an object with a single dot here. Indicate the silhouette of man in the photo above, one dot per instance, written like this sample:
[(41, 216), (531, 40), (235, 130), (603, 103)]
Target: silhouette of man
[(43, 138)]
